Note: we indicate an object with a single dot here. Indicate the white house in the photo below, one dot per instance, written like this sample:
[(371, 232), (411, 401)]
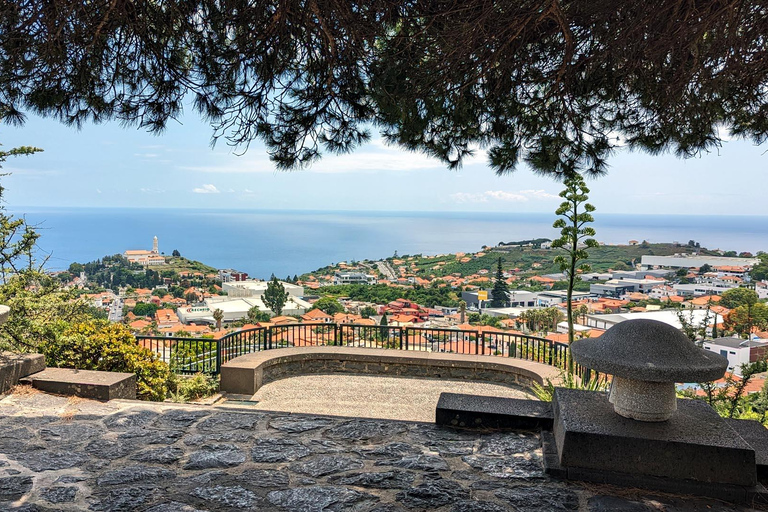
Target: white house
[(256, 288), (738, 351), (761, 287)]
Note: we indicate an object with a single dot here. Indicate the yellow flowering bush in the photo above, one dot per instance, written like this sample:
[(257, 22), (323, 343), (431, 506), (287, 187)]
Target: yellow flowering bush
[(100, 345)]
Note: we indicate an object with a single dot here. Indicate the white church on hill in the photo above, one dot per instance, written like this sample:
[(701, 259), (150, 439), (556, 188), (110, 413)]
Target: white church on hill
[(143, 257)]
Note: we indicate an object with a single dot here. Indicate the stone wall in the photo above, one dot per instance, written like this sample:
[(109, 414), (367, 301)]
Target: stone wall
[(415, 368), (246, 374)]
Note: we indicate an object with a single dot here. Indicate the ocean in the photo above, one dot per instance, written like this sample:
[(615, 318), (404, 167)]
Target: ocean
[(293, 242)]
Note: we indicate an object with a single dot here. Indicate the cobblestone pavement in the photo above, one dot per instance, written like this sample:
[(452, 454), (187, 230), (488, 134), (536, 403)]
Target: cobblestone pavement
[(370, 396), (71, 454)]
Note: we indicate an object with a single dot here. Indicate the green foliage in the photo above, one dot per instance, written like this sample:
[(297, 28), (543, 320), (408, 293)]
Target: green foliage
[(578, 286), (744, 318), (620, 265), (478, 319), (545, 319), (759, 272), (568, 380), (145, 309), (218, 316), (573, 233), (99, 345), (256, 315), (39, 307), (175, 253), (736, 297), (729, 399), (746, 311), (186, 389), (275, 296), (694, 331), (329, 306), (547, 84), (500, 292), (17, 238), (382, 294), (368, 311)]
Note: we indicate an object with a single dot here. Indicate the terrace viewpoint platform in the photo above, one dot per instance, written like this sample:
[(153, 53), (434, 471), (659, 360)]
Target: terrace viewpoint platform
[(246, 374), (124, 455)]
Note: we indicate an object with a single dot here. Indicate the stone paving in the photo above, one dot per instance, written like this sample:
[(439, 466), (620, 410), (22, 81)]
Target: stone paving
[(72, 454), (374, 396)]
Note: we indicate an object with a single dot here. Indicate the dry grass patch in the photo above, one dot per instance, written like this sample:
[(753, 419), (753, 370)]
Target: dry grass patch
[(24, 390)]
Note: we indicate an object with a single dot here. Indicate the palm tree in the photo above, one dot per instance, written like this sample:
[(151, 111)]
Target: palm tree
[(218, 315), (582, 312)]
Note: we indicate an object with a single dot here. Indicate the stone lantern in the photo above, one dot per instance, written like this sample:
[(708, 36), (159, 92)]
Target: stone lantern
[(646, 359)]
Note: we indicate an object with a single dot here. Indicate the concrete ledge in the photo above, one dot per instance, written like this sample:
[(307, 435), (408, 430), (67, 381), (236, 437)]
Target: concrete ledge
[(85, 383), (695, 444), (756, 435), (13, 367), (473, 411), (246, 374)]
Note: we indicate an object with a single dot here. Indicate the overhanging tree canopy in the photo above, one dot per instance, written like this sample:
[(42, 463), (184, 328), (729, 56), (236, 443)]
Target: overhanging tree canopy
[(555, 83)]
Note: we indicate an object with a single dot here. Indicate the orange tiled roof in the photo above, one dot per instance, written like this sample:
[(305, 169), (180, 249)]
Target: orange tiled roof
[(277, 320), (315, 315)]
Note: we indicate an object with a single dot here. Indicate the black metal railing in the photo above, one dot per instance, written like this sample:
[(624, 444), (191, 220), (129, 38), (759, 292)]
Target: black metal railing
[(206, 355)]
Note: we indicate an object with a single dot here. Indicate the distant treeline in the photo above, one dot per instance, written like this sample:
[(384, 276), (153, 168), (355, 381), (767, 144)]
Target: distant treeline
[(536, 242)]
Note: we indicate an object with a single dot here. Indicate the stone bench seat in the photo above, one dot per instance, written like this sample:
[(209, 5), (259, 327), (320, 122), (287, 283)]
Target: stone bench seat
[(246, 374), (84, 383)]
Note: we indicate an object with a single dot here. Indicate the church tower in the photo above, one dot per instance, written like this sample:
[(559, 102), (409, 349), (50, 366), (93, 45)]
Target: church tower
[(154, 245)]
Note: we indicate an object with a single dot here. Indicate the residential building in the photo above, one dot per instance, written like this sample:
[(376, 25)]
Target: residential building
[(738, 351), (761, 288), (317, 315), (353, 278), (228, 275), (256, 288), (696, 289), (667, 316), (621, 287)]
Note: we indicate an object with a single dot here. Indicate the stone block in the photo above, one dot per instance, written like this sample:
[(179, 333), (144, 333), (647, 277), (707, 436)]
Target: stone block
[(756, 435), (85, 383), (695, 444), (14, 367), (459, 410)]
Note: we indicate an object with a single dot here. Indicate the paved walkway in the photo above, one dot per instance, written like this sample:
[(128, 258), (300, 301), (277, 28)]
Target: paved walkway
[(59, 454), (369, 396)]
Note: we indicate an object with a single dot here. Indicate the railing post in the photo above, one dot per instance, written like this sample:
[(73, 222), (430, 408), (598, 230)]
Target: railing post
[(400, 331), (218, 356)]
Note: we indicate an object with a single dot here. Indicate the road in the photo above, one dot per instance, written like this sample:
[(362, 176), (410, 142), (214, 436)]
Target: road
[(386, 269), (116, 310)]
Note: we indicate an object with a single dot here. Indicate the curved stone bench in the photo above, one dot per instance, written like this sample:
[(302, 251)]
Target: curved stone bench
[(246, 374)]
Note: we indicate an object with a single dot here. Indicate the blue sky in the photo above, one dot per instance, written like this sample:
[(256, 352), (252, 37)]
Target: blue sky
[(109, 165)]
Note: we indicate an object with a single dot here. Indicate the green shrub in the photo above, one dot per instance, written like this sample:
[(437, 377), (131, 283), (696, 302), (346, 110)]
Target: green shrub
[(184, 389), (99, 345), (546, 391)]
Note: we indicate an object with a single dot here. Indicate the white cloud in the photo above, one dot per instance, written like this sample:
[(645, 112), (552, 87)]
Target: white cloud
[(98, 191), (539, 194), (146, 155), (206, 189), (520, 196), (374, 157)]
